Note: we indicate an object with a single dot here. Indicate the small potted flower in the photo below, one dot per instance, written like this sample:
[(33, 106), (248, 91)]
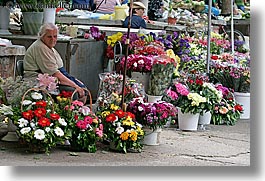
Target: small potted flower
[(189, 103), (121, 129), (228, 110), (153, 116), (83, 128)]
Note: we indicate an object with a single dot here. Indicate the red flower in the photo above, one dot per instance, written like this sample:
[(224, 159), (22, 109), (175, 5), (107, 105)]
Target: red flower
[(214, 57), (199, 82), (54, 116), (40, 112), (238, 108), (28, 115), (111, 118), (76, 117), (66, 94), (120, 113), (41, 103), (44, 122), (131, 115)]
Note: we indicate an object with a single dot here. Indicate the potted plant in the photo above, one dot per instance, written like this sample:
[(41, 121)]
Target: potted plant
[(121, 129), (228, 110), (32, 15), (189, 104), (5, 16), (235, 76), (153, 117)]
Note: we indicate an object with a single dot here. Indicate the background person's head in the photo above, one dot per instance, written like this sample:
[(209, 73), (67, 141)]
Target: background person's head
[(138, 8), (48, 34)]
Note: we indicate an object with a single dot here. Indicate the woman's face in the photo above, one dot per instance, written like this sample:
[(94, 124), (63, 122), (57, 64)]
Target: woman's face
[(50, 38), (140, 12)]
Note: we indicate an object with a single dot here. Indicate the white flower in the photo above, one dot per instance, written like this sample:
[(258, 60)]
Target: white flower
[(6, 110), (58, 131), (141, 61), (36, 95), (135, 64), (47, 129), (26, 102), (22, 122), (84, 110), (62, 121), (33, 125), (140, 108), (25, 130), (119, 130), (39, 134)]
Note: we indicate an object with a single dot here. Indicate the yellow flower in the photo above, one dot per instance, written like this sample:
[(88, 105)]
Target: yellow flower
[(114, 107), (139, 130), (59, 98), (105, 113), (133, 135), (128, 122), (124, 136)]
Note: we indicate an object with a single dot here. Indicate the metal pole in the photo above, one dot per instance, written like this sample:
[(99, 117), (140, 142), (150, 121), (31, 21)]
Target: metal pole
[(126, 56), (232, 28), (209, 35)]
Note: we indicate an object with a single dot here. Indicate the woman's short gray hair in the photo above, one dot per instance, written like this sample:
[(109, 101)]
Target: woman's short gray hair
[(45, 27)]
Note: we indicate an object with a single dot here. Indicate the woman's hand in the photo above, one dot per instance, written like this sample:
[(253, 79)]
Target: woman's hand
[(80, 91)]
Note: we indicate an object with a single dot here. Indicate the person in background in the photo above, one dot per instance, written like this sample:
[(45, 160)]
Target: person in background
[(42, 57), (82, 4), (240, 4), (105, 6), (137, 21)]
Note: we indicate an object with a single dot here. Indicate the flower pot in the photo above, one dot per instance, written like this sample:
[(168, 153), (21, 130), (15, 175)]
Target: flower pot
[(4, 20), (152, 136), (204, 119), (32, 22), (171, 21), (188, 121), (142, 78), (49, 15), (244, 100), (151, 98)]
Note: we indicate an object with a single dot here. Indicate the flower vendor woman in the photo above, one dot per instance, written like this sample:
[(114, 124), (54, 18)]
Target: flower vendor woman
[(41, 57)]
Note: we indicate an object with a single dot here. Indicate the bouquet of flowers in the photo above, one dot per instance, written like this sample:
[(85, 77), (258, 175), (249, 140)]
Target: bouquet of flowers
[(234, 76), (121, 128), (138, 63), (152, 115), (83, 128), (228, 110), (161, 74), (38, 125)]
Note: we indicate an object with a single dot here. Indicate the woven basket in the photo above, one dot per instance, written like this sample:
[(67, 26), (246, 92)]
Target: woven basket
[(45, 92), (88, 93)]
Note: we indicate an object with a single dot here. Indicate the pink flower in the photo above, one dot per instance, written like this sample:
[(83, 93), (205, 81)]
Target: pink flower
[(172, 94), (182, 89), (77, 103), (82, 125)]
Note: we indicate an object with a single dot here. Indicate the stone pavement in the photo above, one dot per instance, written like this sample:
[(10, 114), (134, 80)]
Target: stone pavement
[(219, 145)]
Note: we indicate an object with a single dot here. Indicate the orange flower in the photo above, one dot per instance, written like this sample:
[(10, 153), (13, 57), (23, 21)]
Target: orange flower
[(124, 136)]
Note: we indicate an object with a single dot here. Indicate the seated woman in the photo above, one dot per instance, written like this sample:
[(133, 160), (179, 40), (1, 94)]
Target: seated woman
[(41, 57), (137, 21)]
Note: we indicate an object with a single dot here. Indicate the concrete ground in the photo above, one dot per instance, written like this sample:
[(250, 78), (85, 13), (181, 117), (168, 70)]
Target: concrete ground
[(219, 145)]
